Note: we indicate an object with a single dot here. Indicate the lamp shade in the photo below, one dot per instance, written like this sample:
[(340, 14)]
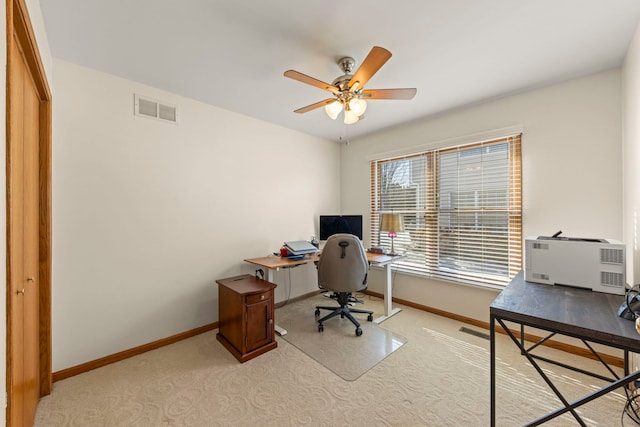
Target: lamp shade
[(350, 117), (358, 106), (333, 109), (392, 223)]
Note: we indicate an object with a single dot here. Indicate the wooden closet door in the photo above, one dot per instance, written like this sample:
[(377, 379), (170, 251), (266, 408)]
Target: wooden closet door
[(23, 185)]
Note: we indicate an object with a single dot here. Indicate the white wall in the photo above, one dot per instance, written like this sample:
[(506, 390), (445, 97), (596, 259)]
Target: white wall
[(147, 215), (631, 163), (571, 155)]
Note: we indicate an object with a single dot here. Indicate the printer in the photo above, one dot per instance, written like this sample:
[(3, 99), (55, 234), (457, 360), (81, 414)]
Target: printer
[(300, 248), (596, 264)]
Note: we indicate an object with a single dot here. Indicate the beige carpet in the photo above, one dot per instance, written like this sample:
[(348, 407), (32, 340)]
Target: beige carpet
[(440, 377), (337, 347)]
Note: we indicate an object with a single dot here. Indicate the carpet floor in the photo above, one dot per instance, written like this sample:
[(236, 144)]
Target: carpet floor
[(439, 377)]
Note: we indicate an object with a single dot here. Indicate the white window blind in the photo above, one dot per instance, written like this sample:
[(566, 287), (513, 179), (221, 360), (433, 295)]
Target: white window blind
[(462, 211)]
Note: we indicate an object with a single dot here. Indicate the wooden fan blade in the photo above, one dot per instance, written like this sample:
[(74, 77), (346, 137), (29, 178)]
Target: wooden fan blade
[(407, 93), (296, 75), (371, 64), (314, 106)]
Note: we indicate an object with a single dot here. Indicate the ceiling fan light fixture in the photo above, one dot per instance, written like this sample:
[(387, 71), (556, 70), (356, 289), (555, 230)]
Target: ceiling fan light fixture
[(357, 106), (348, 89), (350, 117), (333, 109)]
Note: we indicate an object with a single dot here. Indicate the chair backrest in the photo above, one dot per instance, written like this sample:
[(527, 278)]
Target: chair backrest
[(343, 265)]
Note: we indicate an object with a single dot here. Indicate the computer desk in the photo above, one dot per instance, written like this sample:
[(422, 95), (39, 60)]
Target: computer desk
[(274, 263)]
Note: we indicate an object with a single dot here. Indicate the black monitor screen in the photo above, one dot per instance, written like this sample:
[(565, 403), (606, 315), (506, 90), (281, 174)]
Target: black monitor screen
[(333, 224)]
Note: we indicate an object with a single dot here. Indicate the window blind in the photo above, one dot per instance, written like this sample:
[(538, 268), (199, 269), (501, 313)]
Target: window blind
[(462, 210)]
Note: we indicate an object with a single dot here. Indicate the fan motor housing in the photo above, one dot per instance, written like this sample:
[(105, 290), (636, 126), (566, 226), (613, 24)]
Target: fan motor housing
[(346, 64), (342, 82)]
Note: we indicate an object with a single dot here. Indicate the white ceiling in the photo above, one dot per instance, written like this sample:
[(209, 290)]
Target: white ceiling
[(232, 53)]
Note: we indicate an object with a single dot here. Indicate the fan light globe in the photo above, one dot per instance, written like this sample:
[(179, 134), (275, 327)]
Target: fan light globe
[(350, 117), (357, 106), (333, 109)]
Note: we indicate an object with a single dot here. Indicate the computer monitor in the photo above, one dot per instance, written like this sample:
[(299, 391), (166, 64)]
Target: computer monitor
[(333, 224)]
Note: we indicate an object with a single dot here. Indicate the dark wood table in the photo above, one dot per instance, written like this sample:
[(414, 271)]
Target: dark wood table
[(579, 313)]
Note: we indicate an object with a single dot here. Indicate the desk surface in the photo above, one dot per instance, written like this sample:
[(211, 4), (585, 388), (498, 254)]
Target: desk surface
[(571, 311), (276, 262)]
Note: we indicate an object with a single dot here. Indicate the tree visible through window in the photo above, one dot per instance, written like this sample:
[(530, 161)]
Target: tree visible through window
[(462, 210)]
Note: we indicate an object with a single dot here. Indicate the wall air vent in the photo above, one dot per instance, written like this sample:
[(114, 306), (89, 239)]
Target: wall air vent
[(153, 109)]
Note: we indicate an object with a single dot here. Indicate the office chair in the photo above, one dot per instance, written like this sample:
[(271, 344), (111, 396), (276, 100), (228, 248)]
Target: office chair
[(343, 268)]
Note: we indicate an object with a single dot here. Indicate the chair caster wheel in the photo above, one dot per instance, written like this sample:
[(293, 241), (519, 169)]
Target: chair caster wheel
[(358, 332), (317, 312), (321, 328), (370, 318)]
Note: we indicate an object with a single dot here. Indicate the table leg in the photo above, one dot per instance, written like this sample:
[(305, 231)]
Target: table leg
[(388, 309), (492, 347), (279, 329), (626, 362), (543, 375)]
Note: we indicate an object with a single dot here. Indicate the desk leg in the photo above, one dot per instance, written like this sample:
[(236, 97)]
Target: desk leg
[(388, 309), (279, 330), (492, 346)]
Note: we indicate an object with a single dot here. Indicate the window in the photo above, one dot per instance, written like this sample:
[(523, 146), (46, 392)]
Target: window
[(462, 211)]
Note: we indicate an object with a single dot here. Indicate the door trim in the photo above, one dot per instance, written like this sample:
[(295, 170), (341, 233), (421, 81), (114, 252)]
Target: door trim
[(20, 32)]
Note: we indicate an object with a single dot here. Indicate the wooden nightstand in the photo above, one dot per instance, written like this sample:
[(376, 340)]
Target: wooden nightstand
[(246, 316)]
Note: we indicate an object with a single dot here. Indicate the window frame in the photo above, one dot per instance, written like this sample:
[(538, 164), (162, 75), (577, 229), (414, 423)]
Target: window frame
[(427, 229)]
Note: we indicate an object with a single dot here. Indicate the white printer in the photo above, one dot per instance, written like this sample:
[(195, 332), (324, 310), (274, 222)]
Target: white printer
[(596, 264)]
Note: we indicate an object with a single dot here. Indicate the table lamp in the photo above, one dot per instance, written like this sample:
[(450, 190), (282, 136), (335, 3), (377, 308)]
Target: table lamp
[(392, 224)]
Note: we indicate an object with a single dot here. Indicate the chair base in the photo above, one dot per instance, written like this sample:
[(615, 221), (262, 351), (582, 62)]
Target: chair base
[(344, 311), (352, 299)]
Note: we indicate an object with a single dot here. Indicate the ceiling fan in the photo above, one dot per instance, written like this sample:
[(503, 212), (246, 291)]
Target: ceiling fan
[(348, 90)]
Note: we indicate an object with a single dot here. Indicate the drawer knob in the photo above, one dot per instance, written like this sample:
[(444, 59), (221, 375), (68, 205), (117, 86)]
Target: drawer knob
[(261, 296)]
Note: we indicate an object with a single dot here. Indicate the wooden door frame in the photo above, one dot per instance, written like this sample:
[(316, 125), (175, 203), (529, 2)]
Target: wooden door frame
[(19, 26)]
